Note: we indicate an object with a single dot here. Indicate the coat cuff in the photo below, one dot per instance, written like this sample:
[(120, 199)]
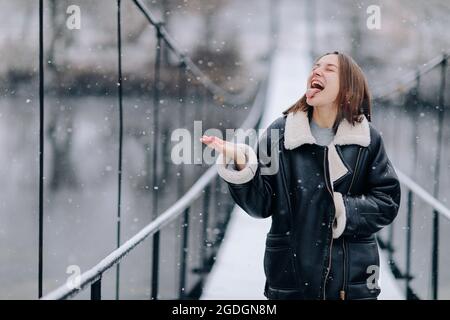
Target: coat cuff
[(228, 171), (341, 218)]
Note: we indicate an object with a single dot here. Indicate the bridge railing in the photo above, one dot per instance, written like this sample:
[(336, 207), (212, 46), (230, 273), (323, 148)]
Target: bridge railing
[(410, 109), (206, 188)]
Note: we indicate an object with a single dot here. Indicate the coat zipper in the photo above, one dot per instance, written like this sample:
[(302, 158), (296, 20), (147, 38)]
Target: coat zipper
[(342, 292), (344, 284), (356, 170), (331, 242)]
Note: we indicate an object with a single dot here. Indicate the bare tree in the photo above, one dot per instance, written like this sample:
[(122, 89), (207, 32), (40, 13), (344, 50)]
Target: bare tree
[(59, 130), (60, 136)]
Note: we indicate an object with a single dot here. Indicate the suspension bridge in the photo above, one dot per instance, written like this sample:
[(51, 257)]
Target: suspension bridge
[(219, 255)]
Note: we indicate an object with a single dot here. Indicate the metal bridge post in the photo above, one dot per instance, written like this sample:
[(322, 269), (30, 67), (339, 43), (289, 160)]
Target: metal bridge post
[(41, 146), (408, 277), (180, 186), (119, 167), (96, 290), (205, 241), (156, 93), (184, 250), (435, 250)]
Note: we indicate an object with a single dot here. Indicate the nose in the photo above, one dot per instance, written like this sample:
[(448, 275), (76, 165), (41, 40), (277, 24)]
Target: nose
[(317, 72)]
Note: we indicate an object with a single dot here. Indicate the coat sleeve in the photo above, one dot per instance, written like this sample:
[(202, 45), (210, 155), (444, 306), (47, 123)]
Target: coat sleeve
[(250, 188), (368, 213)]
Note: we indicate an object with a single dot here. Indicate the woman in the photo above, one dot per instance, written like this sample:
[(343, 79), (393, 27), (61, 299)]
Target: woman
[(335, 187)]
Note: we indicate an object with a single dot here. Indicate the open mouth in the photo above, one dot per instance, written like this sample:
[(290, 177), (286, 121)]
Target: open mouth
[(316, 87)]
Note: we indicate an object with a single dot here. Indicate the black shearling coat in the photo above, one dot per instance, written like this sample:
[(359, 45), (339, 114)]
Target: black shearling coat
[(304, 257)]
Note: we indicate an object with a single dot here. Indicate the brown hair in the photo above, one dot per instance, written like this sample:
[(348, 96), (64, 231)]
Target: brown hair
[(353, 97)]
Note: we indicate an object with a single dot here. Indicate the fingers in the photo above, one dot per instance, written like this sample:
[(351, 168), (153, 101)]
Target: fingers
[(212, 141), (228, 149), (206, 139), (225, 147)]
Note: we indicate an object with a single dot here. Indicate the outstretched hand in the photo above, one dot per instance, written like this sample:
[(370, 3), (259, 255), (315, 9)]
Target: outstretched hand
[(228, 149)]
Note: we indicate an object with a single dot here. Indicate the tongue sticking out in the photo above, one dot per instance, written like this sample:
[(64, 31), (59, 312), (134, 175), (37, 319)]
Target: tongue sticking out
[(311, 92)]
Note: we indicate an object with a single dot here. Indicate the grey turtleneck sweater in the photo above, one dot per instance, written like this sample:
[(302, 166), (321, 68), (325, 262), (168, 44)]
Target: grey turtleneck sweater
[(323, 135)]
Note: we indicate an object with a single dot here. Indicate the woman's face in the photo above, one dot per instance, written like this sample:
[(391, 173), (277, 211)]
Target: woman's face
[(323, 82)]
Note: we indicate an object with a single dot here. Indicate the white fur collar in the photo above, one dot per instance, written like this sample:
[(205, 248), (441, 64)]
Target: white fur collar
[(297, 131)]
